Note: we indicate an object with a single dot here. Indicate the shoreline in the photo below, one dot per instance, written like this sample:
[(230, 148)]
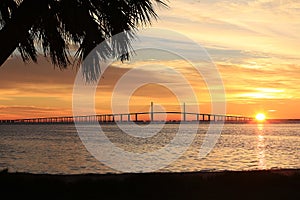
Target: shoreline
[(258, 184)]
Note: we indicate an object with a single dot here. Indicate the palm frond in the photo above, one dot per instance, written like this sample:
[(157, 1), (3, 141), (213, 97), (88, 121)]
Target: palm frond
[(85, 23)]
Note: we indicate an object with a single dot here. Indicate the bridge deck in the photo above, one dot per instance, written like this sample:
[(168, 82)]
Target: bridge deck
[(126, 117)]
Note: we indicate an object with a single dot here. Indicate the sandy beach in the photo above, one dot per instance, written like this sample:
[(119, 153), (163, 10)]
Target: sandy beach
[(265, 184)]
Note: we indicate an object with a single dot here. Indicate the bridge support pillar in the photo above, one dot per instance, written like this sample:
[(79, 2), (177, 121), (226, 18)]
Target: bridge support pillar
[(184, 113), (152, 112)]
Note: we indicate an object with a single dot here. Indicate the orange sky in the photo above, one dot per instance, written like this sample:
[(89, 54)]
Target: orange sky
[(255, 46), (38, 90)]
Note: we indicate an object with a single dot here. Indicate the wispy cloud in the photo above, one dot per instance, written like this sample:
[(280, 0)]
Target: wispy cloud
[(266, 26)]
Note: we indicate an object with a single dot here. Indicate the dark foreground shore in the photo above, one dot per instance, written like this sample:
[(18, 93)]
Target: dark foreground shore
[(270, 184)]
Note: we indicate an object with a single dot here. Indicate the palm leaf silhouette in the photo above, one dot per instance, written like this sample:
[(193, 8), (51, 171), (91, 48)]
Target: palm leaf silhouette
[(55, 25)]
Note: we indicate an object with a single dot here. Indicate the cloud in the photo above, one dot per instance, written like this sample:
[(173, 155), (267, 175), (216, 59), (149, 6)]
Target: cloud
[(17, 112), (30, 73), (269, 27)]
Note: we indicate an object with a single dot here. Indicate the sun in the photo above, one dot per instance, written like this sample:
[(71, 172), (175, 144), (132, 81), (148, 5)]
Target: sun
[(260, 117)]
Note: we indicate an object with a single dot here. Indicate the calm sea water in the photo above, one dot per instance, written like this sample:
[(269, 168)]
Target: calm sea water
[(57, 149)]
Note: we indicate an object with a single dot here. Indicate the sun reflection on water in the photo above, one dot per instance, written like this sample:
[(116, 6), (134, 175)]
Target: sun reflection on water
[(261, 146), (260, 128)]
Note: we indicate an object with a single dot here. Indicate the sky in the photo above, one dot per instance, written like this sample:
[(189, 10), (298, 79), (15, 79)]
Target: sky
[(253, 44)]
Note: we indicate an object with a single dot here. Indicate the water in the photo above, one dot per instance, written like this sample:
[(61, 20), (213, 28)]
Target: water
[(57, 149)]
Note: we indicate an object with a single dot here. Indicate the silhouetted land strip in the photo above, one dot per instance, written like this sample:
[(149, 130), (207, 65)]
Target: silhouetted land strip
[(270, 184)]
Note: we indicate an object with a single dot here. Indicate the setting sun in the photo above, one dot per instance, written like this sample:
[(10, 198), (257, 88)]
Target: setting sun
[(260, 117)]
